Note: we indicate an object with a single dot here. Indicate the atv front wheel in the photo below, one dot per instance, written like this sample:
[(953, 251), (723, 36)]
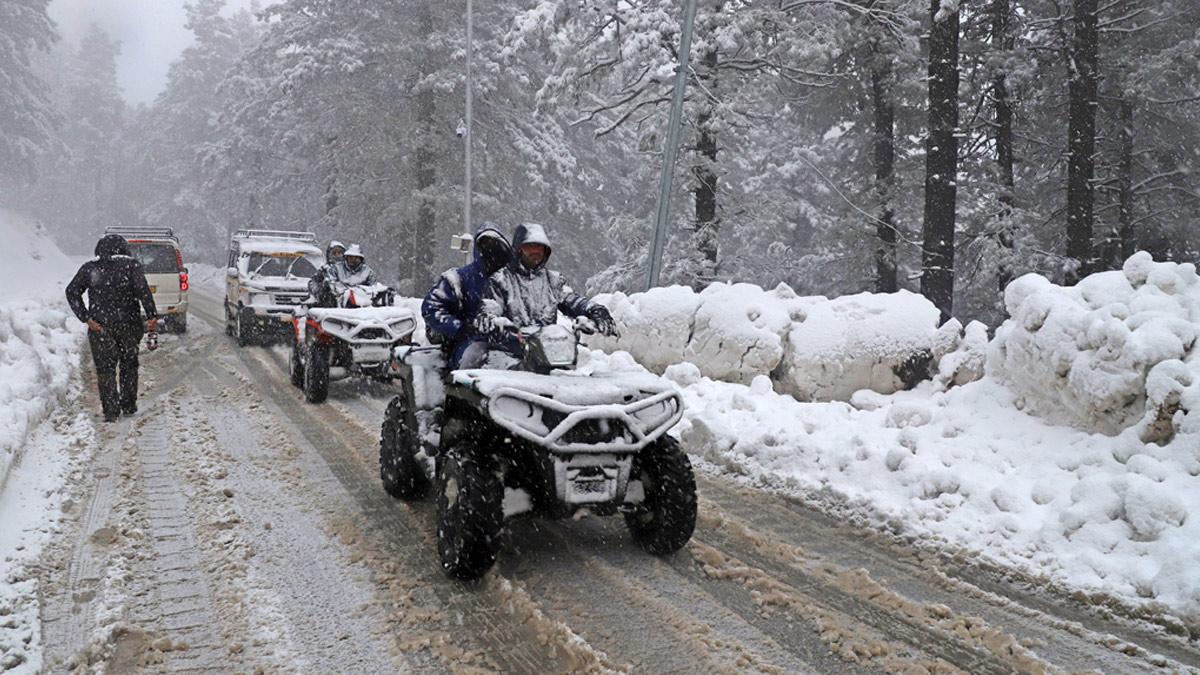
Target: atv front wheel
[(316, 375), (403, 476), (295, 366), (664, 521), (470, 513), (242, 328)]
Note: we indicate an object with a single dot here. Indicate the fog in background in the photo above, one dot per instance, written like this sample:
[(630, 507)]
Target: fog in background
[(151, 33)]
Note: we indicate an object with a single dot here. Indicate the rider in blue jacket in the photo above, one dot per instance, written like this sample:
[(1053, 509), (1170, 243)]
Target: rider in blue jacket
[(452, 304)]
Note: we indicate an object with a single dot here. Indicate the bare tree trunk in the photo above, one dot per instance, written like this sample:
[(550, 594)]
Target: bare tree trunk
[(941, 161), (1081, 137), (1003, 136), (885, 160), (708, 223), (1125, 182)]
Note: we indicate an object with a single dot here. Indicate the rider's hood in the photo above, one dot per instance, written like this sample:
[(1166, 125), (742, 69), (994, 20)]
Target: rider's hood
[(531, 233), (490, 232), (111, 245)]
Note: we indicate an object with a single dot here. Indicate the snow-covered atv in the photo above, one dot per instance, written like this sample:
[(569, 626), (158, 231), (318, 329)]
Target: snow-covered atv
[(355, 338), (568, 440)]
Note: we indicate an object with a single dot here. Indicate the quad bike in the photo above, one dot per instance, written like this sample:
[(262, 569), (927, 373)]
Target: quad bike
[(355, 338), (569, 440)]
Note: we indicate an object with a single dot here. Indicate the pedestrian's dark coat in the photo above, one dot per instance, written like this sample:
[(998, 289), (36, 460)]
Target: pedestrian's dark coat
[(115, 284), (452, 304)]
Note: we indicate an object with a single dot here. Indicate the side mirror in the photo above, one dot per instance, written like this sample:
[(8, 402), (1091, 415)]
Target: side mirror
[(231, 272)]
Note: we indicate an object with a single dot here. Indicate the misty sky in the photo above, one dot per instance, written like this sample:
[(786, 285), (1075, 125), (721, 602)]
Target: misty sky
[(151, 34)]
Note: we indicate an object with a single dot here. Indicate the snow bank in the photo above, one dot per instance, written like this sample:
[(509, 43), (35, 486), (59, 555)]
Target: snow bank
[(965, 469), (40, 340), (813, 348), (207, 279), (1106, 353)]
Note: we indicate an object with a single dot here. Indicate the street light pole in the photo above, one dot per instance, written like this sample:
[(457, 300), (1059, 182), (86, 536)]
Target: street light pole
[(670, 147), (468, 133)]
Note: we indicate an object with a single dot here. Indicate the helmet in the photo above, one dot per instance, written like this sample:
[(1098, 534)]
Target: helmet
[(354, 251), (329, 256)]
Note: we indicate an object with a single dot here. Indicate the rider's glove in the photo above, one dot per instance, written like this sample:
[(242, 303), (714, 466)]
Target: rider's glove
[(485, 324), (603, 320)]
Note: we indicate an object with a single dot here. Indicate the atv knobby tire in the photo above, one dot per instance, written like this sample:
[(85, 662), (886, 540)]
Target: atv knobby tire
[(316, 375), (470, 513), (242, 328), (296, 366), (402, 474), (666, 519)]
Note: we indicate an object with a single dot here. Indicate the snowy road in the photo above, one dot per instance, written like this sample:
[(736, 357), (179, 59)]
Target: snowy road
[(232, 527)]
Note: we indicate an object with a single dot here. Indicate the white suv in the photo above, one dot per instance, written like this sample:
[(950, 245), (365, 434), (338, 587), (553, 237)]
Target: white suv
[(158, 250), (267, 277)]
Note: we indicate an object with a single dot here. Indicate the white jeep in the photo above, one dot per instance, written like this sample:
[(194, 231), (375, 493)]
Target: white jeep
[(266, 279)]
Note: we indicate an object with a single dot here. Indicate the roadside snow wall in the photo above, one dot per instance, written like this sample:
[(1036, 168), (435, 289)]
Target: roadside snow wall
[(40, 340), (1116, 349), (813, 348)]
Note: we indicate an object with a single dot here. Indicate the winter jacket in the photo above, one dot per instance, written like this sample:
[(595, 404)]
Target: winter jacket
[(452, 304), (340, 273), (116, 286), (531, 297)]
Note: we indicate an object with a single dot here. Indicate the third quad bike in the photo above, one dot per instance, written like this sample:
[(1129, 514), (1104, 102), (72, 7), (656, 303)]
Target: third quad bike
[(569, 440), (356, 337)]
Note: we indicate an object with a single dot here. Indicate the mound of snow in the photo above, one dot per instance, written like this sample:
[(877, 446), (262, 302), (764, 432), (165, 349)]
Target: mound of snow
[(40, 340), (813, 348), (864, 341), (1105, 353)]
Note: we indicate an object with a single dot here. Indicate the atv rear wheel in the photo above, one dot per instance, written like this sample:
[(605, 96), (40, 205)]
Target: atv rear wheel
[(296, 366), (470, 513), (664, 522), (402, 474), (316, 375)]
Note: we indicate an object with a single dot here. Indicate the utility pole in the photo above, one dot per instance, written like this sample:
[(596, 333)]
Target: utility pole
[(467, 134), (671, 146)]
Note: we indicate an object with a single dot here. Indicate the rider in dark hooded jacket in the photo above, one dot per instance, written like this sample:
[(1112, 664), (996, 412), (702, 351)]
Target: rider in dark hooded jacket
[(526, 293), (117, 295), (452, 304)]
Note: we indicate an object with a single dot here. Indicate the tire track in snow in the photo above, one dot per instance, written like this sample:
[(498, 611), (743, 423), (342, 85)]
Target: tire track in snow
[(511, 645)]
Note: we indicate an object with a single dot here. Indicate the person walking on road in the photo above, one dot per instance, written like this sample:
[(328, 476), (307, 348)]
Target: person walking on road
[(117, 295)]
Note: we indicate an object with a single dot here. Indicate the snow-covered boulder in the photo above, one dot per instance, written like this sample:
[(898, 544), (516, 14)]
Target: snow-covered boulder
[(813, 348), (1084, 355), (867, 341)]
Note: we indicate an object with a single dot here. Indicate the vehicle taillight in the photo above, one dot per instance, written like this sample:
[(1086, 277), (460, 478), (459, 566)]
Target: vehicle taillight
[(179, 260), (183, 282)]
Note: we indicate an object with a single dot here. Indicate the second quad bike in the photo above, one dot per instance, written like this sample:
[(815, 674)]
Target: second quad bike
[(355, 338), (568, 439)]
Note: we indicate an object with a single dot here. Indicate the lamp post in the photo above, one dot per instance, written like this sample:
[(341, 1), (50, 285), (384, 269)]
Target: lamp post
[(670, 147)]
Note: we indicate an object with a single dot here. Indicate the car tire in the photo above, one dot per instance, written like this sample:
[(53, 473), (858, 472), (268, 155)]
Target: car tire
[(316, 375), (401, 472), (665, 520), (470, 498)]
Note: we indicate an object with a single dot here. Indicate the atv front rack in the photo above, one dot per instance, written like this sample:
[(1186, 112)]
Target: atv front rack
[(566, 428)]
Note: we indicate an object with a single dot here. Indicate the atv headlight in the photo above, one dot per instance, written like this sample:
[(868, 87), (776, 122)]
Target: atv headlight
[(655, 415), (521, 413), (402, 327)]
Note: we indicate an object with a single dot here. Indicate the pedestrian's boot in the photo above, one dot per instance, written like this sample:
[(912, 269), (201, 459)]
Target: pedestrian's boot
[(110, 401)]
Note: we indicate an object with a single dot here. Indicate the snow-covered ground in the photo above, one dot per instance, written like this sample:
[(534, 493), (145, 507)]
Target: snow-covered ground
[(971, 468), (40, 356)]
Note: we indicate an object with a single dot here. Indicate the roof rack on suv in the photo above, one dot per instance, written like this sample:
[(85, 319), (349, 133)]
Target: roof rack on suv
[(277, 234), (141, 232)]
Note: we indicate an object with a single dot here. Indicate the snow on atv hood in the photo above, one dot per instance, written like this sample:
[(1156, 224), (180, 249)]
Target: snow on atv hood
[(569, 387), (381, 314)]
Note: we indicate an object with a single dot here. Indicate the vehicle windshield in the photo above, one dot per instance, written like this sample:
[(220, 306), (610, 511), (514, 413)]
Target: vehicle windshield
[(290, 265), (156, 258)]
